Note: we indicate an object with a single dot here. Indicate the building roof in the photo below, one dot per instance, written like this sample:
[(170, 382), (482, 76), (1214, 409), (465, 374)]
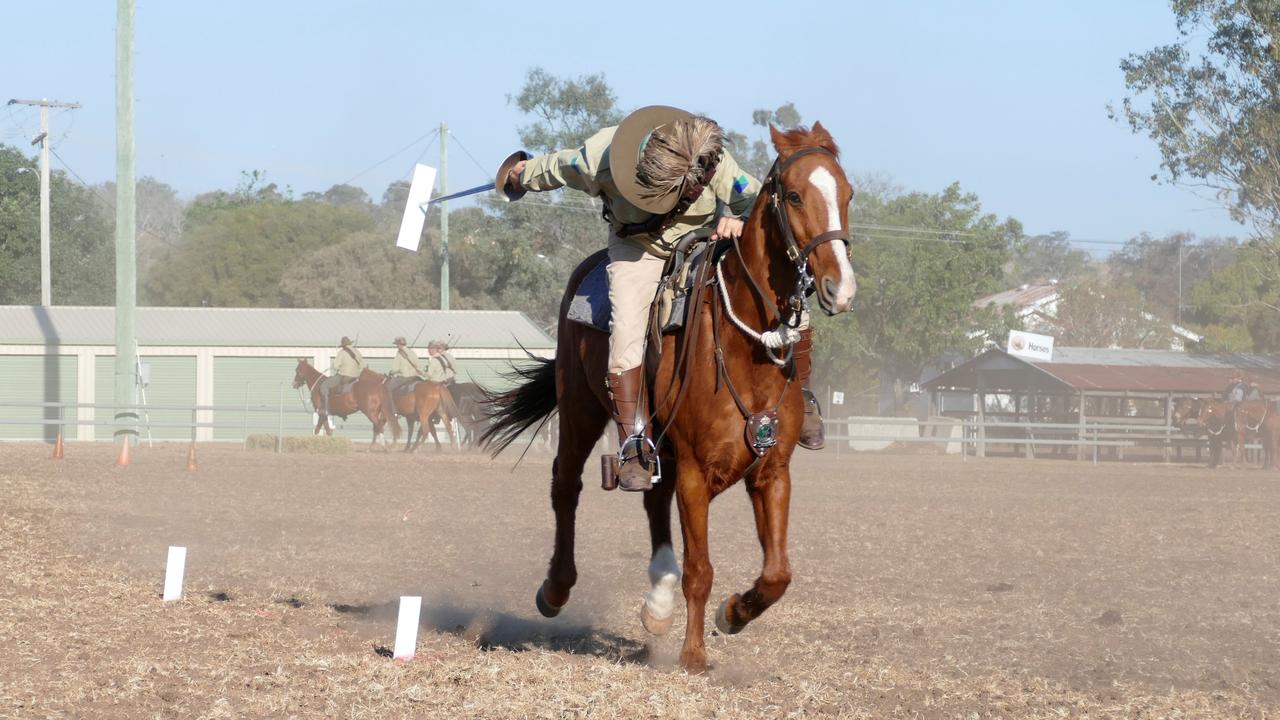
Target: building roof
[(1019, 297), (1092, 369), (268, 327)]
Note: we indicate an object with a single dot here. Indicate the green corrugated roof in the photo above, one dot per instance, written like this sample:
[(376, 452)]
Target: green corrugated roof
[(269, 327)]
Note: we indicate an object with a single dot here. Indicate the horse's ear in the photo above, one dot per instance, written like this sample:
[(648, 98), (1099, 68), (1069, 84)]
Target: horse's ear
[(778, 137)]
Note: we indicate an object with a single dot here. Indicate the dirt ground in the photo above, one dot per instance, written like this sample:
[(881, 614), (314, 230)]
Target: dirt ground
[(924, 587)]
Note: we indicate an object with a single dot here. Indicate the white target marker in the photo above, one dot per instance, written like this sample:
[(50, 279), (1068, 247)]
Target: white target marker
[(424, 179), (407, 627), (173, 573)]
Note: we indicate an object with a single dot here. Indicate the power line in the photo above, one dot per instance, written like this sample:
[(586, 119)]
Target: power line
[(384, 160), (83, 182)]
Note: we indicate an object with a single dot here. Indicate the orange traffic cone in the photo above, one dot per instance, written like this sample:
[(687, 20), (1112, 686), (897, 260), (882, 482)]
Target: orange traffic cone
[(123, 459), (191, 458), (57, 448)]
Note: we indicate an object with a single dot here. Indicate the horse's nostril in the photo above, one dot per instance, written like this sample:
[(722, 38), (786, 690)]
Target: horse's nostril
[(829, 287)]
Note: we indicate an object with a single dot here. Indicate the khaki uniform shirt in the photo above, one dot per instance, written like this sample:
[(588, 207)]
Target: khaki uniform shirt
[(587, 169), (440, 367), (405, 363), (346, 365)]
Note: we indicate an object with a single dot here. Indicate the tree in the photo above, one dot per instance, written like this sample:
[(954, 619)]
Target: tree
[(236, 247), (1211, 104), (1237, 305), (1093, 313), (756, 156), (566, 111), (1041, 258), (81, 229), (159, 218), (915, 295), (1163, 270)]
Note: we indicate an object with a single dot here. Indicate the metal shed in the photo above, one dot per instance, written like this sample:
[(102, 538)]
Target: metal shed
[(227, 357)]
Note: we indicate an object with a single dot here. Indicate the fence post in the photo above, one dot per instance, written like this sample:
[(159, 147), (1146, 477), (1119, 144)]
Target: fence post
[(982, 426), (244, 418), (280, 423)]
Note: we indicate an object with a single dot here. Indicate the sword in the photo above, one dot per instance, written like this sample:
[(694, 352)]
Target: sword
[(461, 193)]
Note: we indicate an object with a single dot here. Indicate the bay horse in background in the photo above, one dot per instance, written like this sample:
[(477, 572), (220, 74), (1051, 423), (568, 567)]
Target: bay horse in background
[(425, 399), (368, 395), (706, 380), (471, 411)]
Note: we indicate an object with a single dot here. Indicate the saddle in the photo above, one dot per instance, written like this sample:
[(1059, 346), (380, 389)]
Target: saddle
[(405, 388), (689, 261), (345, 385)]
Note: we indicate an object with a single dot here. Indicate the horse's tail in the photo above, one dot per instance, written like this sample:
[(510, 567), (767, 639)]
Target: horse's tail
[(389, 411), (516, 410)]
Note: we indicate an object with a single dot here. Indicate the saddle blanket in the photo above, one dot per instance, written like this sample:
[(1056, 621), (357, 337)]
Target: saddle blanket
[(590, 304)]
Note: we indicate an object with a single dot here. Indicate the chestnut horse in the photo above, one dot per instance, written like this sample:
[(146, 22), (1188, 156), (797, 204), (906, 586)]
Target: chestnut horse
[(369, 395), (1254, 419), (418, 405), (706, 381)]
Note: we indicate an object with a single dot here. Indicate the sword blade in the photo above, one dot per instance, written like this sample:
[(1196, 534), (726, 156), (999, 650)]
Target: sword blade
[(461, 193)]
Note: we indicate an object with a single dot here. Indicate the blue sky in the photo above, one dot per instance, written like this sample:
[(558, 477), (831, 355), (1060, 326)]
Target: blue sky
[(1007, 98)]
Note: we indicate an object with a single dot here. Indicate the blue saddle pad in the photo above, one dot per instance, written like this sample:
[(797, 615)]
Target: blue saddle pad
[(590, 303)]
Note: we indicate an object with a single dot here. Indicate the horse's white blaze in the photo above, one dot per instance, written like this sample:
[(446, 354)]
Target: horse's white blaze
[(822, 179), (664, 574)]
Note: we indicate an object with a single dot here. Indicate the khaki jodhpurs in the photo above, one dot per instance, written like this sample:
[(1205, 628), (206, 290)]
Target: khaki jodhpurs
[(633, 281)]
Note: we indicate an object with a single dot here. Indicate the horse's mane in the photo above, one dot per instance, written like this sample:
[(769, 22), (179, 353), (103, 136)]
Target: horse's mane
[(789, 141)]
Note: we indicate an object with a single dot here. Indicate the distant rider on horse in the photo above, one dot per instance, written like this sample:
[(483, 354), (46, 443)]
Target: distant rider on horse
[(348, 363), (404, 367), (441, 367), (660, 174)]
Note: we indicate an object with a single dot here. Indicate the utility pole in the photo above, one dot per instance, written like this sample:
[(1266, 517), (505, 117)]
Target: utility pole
[(444, 217), (46, 294), (127, 380)]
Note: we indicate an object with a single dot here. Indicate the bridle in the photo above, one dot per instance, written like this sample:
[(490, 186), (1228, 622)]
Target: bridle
[(777, 202)]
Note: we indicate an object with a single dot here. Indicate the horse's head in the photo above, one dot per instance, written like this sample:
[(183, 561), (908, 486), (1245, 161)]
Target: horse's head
[(1214, 416), (810, 198), (1185, 409), (300, 374)]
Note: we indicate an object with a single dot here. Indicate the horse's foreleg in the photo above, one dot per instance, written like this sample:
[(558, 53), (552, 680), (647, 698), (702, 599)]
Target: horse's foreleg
[(770, 500), (658, 610), (694, 500)]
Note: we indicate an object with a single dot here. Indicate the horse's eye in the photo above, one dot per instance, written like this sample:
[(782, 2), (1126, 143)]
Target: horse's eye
[(793, 197)]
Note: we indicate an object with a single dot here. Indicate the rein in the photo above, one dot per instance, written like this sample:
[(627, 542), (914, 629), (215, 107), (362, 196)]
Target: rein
[(1266, 409)]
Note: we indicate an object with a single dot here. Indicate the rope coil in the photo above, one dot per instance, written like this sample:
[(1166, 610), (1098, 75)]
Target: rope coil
[(780, 337)]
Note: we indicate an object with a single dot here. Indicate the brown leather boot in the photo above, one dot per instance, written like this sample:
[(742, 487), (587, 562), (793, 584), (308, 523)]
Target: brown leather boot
[(812, 435), (636, 471)]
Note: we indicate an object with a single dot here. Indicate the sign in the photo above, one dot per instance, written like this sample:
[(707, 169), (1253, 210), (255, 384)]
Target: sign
[(837, 398), (1030, 346), (407, 627), (173, 573)]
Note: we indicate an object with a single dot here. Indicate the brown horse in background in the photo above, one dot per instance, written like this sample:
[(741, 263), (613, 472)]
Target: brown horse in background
[(1254, 420), (419, 405), (369, 395), (797, 231)]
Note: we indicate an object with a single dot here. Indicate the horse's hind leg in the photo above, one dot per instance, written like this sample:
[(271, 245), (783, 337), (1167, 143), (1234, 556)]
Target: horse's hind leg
[(657, 612), (770, 500), (578, 435), (408, 436)]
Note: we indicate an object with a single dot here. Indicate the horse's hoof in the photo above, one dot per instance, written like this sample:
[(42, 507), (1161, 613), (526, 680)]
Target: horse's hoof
[(722, 619), (547, 609), (654, 625)]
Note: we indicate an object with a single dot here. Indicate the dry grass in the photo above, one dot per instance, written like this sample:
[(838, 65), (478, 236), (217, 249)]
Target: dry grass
[(924, 588)]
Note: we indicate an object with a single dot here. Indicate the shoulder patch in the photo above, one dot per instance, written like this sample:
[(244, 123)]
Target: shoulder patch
[(740, 184)]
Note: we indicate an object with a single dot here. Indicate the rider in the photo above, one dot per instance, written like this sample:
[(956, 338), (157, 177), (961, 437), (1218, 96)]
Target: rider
[(404, 367), (660, 174), (1236, 390), (441, 367), (348, 363)]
